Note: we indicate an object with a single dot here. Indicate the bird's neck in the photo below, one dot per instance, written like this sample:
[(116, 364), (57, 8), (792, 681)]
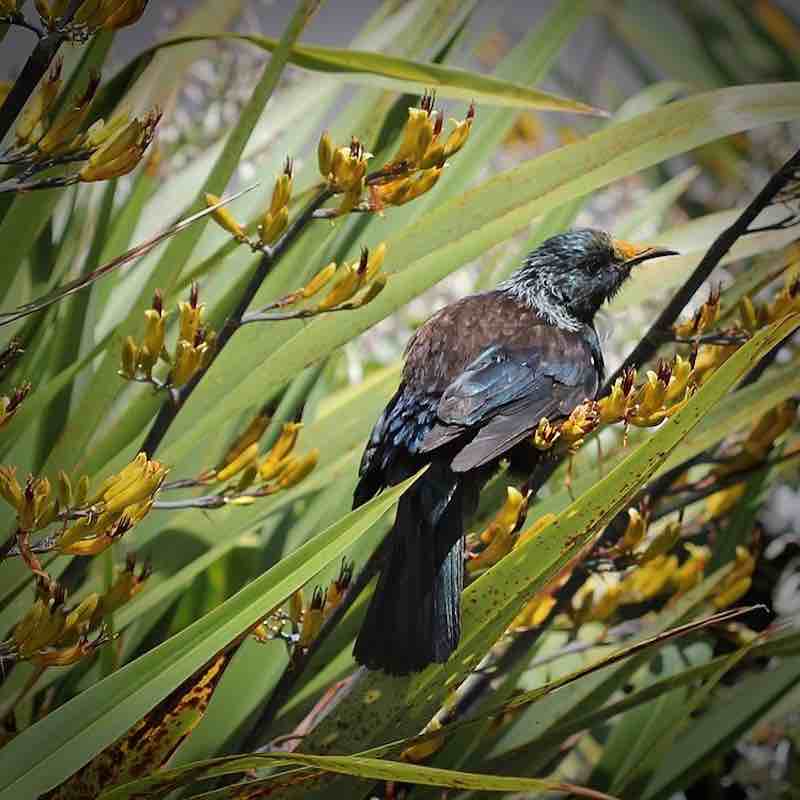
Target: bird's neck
[(546, 301)]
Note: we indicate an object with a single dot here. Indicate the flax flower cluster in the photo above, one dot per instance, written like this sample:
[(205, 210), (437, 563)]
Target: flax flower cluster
[(349, 286), (274, 219), (412, 171), (276, 470), (300, 624), (193, 350), (89, 521), (654, 561), (49, 137), (51, 634)]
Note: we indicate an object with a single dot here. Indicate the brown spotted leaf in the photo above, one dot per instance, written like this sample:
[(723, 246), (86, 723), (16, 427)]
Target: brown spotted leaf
[(147, 746)]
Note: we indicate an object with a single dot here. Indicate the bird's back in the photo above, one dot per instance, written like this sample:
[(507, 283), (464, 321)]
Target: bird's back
[(464, 367)]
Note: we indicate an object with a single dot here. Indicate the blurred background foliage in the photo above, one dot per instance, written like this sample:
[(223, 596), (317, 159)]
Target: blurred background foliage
[(142, 635)]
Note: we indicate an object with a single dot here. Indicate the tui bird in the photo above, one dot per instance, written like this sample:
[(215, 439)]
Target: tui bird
[(478, 377)]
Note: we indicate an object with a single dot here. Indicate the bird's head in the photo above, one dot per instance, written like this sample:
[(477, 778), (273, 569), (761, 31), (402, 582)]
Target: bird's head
[(569, 276)]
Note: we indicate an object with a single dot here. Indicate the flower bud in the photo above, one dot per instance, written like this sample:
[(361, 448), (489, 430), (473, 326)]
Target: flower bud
[(62, 132), (144, 488), (634, 531), (273, 464), (126, 13), (768, 428), (664, 541), (343, 289), (81, 615), (224, 218), (690, 573), (535, 612), (37, 108), (733, 592), (273, 226), (251, 434), (130, 358), (243, 460), (710, 357), (9, 405), (10, 488), (679, 379), (312, 618), (301, 468), (153, 343), (325, 155), (614, 406), (650, 579), (296, 607), (190, 315), (188, 360), (546, 435), (319, 281), (748, 314), (375, 262), (377, 285), (338, 588), (607, 604), (457, 138), (582, 421), (282, 192)]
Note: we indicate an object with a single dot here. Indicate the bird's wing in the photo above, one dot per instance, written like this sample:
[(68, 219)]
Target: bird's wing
[(501, 396), (395, 439)]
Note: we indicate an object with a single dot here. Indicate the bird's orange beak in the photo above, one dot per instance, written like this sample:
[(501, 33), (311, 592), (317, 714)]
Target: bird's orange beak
[(632, 253)]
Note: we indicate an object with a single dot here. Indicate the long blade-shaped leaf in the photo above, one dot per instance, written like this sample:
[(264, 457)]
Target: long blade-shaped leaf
[(66, 289), (401, 74), (47, 752), (360, 766), (403, 705)]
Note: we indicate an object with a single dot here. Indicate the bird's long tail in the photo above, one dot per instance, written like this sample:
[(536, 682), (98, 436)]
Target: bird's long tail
[(414, 616)]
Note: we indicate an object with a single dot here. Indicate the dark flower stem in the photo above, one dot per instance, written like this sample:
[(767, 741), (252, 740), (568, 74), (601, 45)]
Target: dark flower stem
[(34, 70), (170, 408), (661, 330)]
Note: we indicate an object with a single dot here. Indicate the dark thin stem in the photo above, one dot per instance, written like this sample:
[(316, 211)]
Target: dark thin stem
[(34, 70), (18, 20), (236, 319), (769, 359), (660, 331), (169, 410), (37, 185), (695, 493), (302, 313), (720, 337)]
